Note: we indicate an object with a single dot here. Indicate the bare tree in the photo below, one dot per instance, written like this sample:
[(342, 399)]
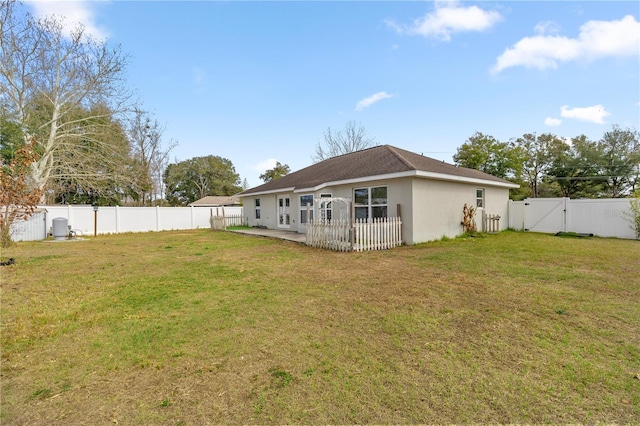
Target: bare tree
[(354, 138), (46, 77), (150, 159)]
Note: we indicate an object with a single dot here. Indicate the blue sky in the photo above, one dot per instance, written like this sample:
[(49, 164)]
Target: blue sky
[(257, 82)]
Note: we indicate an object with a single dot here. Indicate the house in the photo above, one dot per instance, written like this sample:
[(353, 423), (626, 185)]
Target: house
[(428, 194), (217, 201)]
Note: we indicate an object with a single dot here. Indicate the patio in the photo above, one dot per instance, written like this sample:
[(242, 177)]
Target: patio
[(274, 233)]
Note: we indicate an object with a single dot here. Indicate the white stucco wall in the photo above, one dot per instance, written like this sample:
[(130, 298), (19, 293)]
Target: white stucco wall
[(437, 208), (430, 209)]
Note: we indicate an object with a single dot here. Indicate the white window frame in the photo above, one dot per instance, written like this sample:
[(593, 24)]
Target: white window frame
[(326, 208), (257, 208), (370, 206), (480, 198), (303, 209)]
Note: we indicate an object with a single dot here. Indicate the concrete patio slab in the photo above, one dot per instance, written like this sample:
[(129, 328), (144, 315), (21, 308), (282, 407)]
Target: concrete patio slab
[(274, 233)]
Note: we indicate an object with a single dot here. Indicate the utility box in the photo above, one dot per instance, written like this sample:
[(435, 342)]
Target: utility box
[(59, 228)]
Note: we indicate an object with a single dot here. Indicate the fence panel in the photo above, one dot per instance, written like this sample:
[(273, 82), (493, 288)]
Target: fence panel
[(368, 234), (32, 229), (606, 217), (377, 234), (220, 223), (334, 235), (490, 222), (113, 220)]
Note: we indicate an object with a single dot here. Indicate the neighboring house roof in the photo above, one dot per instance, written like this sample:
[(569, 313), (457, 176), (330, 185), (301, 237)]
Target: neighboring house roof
[(217, 201), (380, 162)]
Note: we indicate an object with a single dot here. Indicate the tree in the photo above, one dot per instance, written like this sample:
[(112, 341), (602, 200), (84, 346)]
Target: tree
[(85, 170), (537, 154), (46, 78), (245, 184), (575, 168), (11, 138), (620, 150), (276, 173), (18, 196), (485, 153), (354, 138), (190, 180), (149, 158)]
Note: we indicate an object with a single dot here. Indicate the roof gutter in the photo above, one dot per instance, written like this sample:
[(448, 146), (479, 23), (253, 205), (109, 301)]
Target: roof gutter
[(412, 173), (465, 179), (272, 191), (409, 173)]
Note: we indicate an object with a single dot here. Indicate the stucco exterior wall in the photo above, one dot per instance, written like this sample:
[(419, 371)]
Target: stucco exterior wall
[(497, 202), (430, 209), (437, 208), (267, 210)]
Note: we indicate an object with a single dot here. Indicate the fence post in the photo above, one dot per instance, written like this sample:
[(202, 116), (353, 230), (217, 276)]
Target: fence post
[(399, 215), (117, 219)]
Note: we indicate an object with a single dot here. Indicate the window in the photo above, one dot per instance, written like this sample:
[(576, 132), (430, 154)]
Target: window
[(304, 200), (325, 208), (370, 202), (257, 200), (480, 198)]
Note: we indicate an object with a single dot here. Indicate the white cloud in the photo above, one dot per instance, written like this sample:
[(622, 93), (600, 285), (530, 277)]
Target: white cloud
[(449, 18), (73, 12), (376, 97), (594, 114), (547, 27), (553, 122), (597, 39), (265, 165)]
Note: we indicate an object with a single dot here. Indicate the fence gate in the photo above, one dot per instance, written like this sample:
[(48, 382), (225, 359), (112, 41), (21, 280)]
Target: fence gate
[(545, 214)]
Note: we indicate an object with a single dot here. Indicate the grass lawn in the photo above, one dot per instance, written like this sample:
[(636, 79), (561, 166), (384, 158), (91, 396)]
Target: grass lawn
[(202, 327)]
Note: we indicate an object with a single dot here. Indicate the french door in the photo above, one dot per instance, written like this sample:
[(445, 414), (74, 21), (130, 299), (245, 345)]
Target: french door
[(284, 213)]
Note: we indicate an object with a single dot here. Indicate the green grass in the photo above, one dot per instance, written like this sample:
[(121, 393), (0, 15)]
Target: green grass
[(202, 327)]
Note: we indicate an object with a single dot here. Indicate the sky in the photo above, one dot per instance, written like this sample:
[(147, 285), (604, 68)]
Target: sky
[(259, 82)]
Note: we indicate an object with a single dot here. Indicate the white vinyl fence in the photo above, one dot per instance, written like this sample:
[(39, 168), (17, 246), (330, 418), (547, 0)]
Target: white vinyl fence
[(32, 229), (602, 217), (114, 220)]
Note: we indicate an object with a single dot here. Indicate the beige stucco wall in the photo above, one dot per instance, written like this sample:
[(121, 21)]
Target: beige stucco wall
[(430, 209), (437, 208), (267, 210)]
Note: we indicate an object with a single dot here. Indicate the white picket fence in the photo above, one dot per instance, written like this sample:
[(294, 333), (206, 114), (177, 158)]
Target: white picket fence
[(377, 234), (490, 222), (362, 235), (220, 223), (333, 235)]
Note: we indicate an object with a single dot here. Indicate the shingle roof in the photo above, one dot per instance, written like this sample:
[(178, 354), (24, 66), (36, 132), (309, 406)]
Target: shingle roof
[(376, 161), (214, 201)]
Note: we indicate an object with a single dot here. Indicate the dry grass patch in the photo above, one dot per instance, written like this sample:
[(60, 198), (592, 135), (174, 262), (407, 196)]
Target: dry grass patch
[(201, 327)]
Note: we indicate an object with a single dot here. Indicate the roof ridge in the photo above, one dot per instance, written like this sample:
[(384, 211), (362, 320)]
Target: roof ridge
[(401, 157)]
